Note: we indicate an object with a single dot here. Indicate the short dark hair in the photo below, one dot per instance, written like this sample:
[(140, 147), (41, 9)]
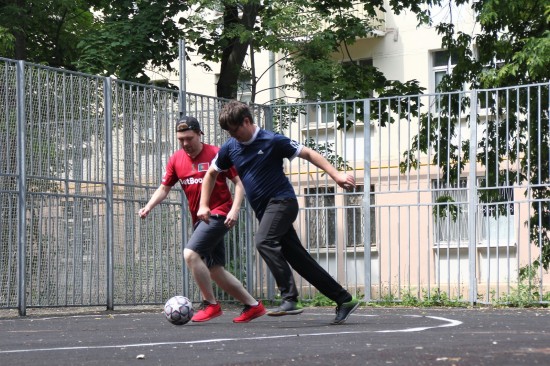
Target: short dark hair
[(233, 114)]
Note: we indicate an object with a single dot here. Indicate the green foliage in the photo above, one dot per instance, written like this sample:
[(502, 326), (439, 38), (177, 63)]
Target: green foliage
[(45, 31), (439, 298), (408, 299), (527, 292), (313, 69), (440, 211), (7, 42), (318, 300), (327, 150), (286, 114), (131, 37), (514, 49), (128, 37), (525, 295), (429, 299), (308, 43)]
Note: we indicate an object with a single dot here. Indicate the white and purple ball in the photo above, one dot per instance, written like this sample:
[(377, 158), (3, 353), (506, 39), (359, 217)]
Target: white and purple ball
[(178, 310)]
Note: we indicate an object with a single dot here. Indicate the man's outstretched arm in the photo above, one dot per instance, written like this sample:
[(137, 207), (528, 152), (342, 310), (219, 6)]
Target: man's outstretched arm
[(343, 179), (160, 194)]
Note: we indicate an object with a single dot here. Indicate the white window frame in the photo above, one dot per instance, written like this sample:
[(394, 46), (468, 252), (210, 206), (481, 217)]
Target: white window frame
[(87, 225), (446, 69), (354, 217), (436, 70), (493, 231), (244, 91), (320, 205)]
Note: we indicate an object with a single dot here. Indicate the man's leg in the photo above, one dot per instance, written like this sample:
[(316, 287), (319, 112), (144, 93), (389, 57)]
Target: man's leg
[(204, 249), (200, 273), (231, 285), (276, 221), (303, 263), (312, 271)]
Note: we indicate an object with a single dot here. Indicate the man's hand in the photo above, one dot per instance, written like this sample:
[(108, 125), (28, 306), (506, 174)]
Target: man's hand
[(203, 214), (346, 181), (143, 212), (232, 218)]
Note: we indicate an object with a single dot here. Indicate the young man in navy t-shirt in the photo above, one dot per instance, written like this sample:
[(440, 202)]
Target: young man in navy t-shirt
[(204, 253), (258, 155)]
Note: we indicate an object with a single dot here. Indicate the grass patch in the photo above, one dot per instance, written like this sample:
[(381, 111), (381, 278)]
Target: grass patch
[(527, 293)]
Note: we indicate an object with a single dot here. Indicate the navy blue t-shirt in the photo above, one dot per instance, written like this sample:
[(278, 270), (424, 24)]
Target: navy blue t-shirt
[(259, 163)]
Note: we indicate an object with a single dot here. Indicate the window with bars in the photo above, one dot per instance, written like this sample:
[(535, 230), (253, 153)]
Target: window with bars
[(244, 90), (321, 216), (443, 63), (495, 215), (450, 211), (78, 225), (354, 217)]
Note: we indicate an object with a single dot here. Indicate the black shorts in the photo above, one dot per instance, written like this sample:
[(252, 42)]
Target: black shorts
[(208, 240)]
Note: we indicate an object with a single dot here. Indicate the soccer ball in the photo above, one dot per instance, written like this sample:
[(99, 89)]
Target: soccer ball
[(178, 310)]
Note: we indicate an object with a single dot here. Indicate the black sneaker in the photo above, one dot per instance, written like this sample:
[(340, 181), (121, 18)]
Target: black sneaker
[(343, 311), (286, 308)]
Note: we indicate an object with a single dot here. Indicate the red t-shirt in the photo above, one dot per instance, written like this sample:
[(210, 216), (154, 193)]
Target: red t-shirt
[(190, 173)]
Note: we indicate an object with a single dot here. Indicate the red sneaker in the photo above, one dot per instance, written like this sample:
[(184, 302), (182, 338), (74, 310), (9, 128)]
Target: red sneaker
[(207, 311), (250, 312)]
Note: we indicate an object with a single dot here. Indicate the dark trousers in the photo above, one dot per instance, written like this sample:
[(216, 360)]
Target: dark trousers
[(279, 246)]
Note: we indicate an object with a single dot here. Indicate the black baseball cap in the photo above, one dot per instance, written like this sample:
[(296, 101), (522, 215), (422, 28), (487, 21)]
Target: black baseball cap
[(188, 123)]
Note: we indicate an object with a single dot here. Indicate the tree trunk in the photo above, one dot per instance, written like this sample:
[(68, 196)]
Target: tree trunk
[(234, 54), (20, 50)]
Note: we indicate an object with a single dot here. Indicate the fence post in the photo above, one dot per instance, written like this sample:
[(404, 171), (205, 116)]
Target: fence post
[(366, 200), (472, 204), (183, 240), (107, 91), (268, 118), (251, 285), (265, 121), (22, 191), (183, 90)]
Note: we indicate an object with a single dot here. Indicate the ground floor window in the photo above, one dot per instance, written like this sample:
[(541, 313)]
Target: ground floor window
[(450, 212)]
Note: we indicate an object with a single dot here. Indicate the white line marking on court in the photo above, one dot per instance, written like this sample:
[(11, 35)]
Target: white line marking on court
[(448, 323), (98, 316)]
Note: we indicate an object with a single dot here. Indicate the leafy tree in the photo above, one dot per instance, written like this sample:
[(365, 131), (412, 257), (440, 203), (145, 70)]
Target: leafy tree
[(514, 44), (132, 36), (306, 34), (44, 31), (7, 41)]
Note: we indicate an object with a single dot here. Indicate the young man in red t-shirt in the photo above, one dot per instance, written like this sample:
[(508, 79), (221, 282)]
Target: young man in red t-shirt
[(204, 253)]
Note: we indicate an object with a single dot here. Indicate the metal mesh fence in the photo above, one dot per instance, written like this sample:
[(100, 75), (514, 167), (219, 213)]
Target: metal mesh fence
[(65, 180), (445, 208), (8, 185), (451, 199), (147, 254)]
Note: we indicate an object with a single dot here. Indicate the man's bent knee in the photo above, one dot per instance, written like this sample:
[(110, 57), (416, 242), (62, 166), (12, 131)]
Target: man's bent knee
[(190, 255)]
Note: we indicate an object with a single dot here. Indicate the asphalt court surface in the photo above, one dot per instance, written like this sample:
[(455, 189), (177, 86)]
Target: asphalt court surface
[(371, 336)]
